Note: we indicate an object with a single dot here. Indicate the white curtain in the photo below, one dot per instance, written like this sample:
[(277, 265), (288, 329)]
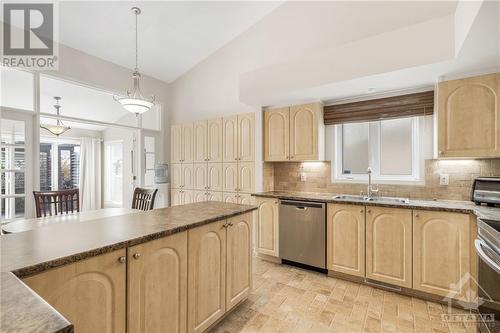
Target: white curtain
[(90, 174)]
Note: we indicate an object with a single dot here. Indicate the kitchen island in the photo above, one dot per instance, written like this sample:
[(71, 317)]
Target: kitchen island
[(121, 271)]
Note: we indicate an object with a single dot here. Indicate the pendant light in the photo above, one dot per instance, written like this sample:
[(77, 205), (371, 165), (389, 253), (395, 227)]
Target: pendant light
[(59, 128), (135, 102)]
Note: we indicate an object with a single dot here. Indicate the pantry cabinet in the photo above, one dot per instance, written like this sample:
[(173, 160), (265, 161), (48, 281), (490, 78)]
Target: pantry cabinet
[(157, 285), (389, 245), (200, 176), (200, 136), (187, 179), (214, 176), (246, 177), (345, 227), (441, 250), (176, 175), (187, 143), (294, 133), (215, 137), (267, 226), (89, 293), (181, 197), (240, 198), (469, 117), (176, 144), (239, 138)]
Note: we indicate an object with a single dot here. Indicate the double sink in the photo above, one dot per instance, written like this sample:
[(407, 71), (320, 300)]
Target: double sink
[(373, 199)]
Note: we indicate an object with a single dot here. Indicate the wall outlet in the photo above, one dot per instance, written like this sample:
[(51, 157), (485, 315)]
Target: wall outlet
[(444, 179), (303, 177)]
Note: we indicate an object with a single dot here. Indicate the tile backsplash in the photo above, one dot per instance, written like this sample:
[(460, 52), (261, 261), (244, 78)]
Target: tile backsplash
[(285, 176)]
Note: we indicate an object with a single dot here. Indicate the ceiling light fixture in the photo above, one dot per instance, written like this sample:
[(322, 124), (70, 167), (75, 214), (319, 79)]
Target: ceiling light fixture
[(135, 102), (59, 128)]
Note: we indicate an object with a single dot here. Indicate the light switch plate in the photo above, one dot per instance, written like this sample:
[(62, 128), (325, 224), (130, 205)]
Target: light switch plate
[(303, 177), (444, 179)]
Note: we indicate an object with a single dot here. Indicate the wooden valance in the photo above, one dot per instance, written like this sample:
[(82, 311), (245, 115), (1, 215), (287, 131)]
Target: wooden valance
[(411, 105)]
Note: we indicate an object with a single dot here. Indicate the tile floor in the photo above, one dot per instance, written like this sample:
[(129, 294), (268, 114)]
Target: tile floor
[(288, 299)]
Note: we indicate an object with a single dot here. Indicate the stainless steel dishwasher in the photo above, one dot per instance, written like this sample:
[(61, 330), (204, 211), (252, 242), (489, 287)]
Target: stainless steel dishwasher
[(302, 233)]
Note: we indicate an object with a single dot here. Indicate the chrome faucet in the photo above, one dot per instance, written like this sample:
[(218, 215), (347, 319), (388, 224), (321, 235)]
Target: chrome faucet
[(371, 189)]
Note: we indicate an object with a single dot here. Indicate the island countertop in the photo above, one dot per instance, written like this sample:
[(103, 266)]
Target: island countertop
[(34, 251)]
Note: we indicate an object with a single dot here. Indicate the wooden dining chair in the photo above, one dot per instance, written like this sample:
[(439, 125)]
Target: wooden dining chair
[(144, 198), (48, 203)]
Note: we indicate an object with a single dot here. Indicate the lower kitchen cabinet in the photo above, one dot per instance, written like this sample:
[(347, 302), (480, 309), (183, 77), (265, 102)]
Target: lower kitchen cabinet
[(346, 239), (89, 293), (207, 275), (441, 250), (389, 245), (157, 285), (267, 226)]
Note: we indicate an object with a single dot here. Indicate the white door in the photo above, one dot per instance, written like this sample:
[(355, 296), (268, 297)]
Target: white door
[(113, 173), (16, 165)]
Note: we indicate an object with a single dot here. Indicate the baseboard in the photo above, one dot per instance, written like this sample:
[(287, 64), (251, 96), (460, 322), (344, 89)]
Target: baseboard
[(266, 257)]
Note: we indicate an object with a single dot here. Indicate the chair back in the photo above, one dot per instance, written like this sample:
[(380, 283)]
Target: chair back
[(144, 198), (48, 203)]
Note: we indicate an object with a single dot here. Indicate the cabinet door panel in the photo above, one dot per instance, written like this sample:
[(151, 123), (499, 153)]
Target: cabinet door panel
[(176, 197), (230, 197), (441, 249), (200, 196), (187, 197), (214, 196), (468, 117), (267, 226), (389, 245), (276, 134), (246, 137), (187, 143), (206, 275), (157, 285), (176, 175), (304, 121), (230, 177), (215, 140), (176, 144), (346, 239), (89, 293), (239, 259), (200, 176), (187, 176), (200, 144), (246, 177), (230, 135), (245, 199), (215, 178)]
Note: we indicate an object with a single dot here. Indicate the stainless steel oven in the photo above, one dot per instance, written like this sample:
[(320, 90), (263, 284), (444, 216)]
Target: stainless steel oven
[(487, 247)]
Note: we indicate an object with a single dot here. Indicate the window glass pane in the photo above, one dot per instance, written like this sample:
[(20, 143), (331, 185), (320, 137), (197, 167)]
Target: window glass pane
[(12, 183), (396, 147), (45, 167), (355, 148), (69, 166), (12, 158), (12, 131), (11, 208), (16, 89)]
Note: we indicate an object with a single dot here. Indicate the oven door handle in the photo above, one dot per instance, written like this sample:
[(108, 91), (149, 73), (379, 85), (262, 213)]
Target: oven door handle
[(479, 244)]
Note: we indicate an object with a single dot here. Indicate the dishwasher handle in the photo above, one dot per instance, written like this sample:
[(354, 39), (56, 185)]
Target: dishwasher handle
[(302, 205)]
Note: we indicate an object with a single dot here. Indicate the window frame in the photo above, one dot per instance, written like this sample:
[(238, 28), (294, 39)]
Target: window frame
[(418, 163)]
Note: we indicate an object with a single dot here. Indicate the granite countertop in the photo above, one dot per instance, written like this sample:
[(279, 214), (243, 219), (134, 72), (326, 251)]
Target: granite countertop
[(34, 251), (467, 207)]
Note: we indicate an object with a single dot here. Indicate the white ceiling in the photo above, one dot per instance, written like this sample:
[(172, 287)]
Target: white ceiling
[(174, 36)]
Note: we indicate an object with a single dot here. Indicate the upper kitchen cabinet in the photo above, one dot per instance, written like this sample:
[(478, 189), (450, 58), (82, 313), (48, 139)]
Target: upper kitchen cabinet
[(214, 145), (469, 117), (176, 144), (187, 143), (294, 133), (182, 143), (239, 137), (200, 146)]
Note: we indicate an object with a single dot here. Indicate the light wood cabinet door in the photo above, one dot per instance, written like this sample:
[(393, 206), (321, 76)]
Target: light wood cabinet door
[(230, 139), (276, 134), (305, 121), (346, 239), (157, 285), (187, 143), (469, 117), (175, 197), (230, 177), (200, 173), (441, 253), (199, 196), (215, 178), (89, 293), (175, 175), (246, 137), (187, 197), (206, 275), (214, 196), (245, 199), (239, 259), (389, 245), (200, 142), (230, 197), (268, 226), (215, 140), (246, 177), (176, 144), (187, 176)]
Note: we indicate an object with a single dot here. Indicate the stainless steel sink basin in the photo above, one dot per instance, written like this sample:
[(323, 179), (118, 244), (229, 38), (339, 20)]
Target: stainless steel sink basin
[(374, 199)]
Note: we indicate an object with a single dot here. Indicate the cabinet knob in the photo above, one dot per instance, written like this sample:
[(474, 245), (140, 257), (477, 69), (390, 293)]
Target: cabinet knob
[(361, 211), (417, 215), (122, 259), (136, 256), (235, 158), (369, 211), (441, 152), (230, 224)]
